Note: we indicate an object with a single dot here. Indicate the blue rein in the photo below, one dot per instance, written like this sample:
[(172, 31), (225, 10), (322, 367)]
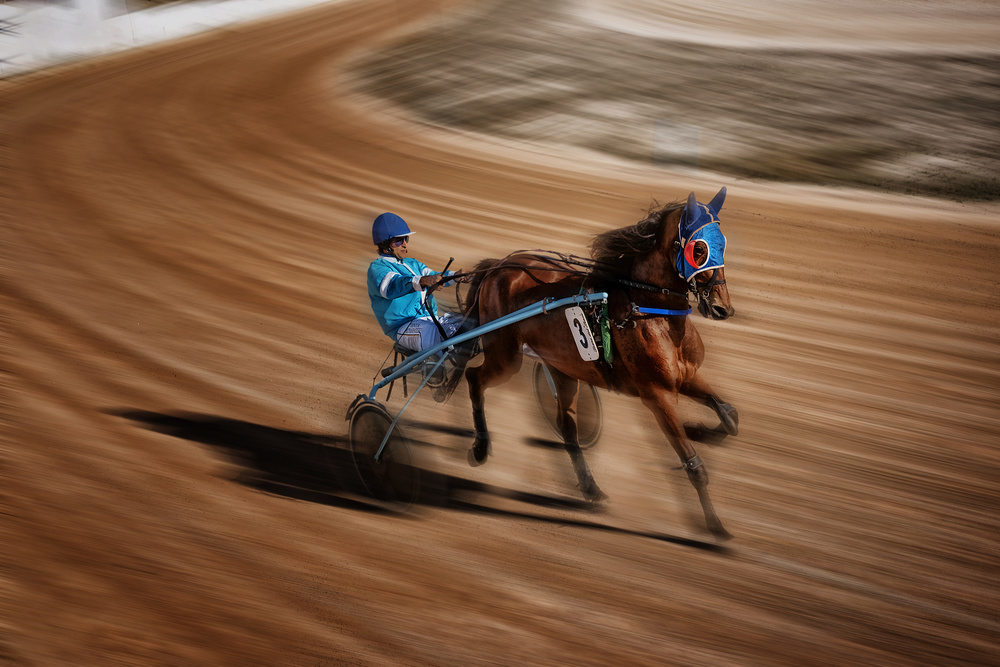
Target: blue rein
[(660, 311)]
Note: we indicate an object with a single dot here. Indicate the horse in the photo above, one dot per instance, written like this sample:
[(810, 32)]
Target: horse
[(657, 351)]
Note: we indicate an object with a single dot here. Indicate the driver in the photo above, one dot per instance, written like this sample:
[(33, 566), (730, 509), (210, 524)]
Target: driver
[(396, 284)]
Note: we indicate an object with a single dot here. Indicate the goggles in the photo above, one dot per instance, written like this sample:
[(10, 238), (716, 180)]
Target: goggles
[(398, 241)]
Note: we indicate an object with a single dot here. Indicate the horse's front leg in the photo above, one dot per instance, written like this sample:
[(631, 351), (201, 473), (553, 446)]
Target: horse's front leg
[(660, 404), (568, 391), (729, 419)]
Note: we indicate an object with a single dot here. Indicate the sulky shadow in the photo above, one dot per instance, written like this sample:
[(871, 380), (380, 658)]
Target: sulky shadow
[(319, 468), (301, 465)]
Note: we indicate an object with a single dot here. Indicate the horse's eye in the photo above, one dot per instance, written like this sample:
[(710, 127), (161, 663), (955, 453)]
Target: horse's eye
[(700, 253), (696, 253)]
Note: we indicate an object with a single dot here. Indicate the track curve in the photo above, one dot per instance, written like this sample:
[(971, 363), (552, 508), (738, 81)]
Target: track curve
[(183, 262)]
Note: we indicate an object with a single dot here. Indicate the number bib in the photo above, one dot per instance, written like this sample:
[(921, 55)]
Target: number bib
[(581, 334)]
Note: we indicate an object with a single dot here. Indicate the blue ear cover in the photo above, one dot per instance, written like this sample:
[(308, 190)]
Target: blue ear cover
[(716, 204)]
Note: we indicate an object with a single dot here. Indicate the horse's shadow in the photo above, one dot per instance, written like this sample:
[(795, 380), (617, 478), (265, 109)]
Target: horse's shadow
[(319, 468)]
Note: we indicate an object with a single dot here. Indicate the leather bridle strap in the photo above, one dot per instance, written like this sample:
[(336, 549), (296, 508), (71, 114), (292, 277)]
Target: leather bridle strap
[(650, 288), (704, 291)]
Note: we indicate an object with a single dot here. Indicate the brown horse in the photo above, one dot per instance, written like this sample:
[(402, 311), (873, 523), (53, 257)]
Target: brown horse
[(656, 356)]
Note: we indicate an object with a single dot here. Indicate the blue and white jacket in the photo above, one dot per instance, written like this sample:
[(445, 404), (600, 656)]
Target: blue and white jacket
[(394, 290)]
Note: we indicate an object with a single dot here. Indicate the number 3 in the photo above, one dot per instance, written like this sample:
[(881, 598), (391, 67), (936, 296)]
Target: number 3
[(583, 338)]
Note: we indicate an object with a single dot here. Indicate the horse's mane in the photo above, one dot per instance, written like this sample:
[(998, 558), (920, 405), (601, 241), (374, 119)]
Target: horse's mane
[(614, 251), (619, 247)]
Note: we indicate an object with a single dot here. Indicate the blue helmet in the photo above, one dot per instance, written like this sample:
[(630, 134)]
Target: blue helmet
[(388, 226)]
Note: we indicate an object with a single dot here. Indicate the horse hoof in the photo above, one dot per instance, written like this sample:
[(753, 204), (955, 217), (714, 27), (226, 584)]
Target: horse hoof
[(730, 419), (720, 533), (593, 493), (478, 454)]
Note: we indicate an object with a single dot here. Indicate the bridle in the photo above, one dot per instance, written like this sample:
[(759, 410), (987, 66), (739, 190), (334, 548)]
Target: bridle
[(704, 290)]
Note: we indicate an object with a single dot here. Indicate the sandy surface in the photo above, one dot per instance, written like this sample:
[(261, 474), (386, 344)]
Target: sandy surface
[(184, 244)]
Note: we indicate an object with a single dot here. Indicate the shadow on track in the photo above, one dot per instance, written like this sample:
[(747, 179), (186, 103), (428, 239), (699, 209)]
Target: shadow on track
[(319, 468), (297, 464)]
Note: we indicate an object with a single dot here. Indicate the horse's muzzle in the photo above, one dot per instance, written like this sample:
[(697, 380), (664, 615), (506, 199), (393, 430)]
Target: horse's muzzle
[(715, 311), (721, 313)]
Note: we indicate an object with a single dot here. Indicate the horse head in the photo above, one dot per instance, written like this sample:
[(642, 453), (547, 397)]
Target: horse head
[(700, 258)]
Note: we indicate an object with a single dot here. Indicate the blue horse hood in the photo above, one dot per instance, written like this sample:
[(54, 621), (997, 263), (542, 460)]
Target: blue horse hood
[(699, 226)]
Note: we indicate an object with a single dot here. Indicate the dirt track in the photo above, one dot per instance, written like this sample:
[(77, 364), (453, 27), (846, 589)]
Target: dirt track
[(183, 293)]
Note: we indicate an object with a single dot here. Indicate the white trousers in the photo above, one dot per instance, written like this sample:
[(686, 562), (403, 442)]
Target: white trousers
[(422, 333)]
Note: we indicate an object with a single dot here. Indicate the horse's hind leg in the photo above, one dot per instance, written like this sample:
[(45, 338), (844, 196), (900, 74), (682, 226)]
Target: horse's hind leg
[(568, 390), (729, 419), (659, 404), (501, 359)]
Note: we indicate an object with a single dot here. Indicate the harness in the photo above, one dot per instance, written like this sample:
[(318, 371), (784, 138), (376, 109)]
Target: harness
[(598, 317), (587, 270), (600, 321)]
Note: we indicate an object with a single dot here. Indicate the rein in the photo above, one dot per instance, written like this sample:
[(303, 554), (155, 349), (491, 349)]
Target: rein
[(651, 288), (637, 311), (588, 269), (590, 266)]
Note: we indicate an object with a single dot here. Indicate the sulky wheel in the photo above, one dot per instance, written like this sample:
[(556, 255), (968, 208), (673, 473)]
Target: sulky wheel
[(393, 480), (589, 415)]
